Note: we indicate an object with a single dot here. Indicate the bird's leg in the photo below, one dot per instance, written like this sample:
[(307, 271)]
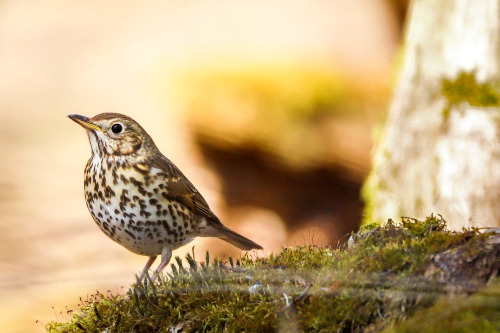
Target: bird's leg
[(151, 260), (166, 254)]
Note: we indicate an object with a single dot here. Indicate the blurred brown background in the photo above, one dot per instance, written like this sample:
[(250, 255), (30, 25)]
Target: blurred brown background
[(268, 107)]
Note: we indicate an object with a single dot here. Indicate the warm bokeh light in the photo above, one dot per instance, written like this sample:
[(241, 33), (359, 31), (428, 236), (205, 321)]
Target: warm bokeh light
[(89, 57)]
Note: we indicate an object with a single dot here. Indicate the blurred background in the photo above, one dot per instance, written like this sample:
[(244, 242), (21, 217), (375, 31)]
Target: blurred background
[(269, 107)]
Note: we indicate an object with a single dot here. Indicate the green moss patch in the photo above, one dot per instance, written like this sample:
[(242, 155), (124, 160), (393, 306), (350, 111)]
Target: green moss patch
[(476, 313), (465, 88), (378, 279)]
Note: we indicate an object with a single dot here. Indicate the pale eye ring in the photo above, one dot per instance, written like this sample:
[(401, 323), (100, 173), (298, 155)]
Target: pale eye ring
[(117, 128)]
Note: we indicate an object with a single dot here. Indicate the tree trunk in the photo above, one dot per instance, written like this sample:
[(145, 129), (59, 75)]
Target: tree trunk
[(440, 152)]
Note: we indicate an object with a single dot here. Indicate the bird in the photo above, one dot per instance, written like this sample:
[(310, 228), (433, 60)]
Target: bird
[(139, 198)]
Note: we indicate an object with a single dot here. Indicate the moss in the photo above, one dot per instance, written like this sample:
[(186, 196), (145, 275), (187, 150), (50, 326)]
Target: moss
[(368, 190), (465, 88), (372, 186), (375, 281), (477, 313)]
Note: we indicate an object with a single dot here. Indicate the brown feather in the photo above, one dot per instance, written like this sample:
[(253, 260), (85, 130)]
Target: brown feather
[(182, 190)]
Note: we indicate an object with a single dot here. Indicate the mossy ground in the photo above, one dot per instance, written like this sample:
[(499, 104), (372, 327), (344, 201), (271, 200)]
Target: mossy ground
[(374, 282), (477, 313)]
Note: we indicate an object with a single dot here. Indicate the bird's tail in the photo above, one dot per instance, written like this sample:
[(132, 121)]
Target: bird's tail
[(234, 238)]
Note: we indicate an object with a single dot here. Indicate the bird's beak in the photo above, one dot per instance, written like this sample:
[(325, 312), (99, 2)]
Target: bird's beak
[(84, 122)]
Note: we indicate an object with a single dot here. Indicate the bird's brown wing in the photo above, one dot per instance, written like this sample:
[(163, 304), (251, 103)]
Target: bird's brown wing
[(182, 190)]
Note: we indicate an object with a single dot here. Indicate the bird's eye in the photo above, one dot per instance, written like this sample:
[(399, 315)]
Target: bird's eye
[(117, 128)]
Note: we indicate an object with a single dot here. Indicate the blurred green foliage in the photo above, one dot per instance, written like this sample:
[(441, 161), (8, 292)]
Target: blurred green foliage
[(295, 112)]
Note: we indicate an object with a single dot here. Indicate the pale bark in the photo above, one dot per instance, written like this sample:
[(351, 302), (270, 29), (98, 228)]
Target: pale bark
[(431, 160)]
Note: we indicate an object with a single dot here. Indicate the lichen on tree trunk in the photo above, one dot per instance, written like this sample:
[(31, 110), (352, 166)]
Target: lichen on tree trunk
[(440, 152)]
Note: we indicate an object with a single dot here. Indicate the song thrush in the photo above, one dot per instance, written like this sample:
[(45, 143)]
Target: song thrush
[(139, 198)]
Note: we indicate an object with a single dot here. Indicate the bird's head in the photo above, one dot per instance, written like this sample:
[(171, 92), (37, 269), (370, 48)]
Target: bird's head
[(114, 134)]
